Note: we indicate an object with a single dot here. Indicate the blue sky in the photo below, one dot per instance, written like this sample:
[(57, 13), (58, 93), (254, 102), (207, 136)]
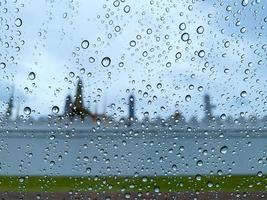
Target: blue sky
[(50, 46)]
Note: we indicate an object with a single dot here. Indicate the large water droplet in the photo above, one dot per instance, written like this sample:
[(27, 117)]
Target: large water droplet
[(85, 44), (187, 98), (27, 110), (106, 61), (2, 65), (245, 2), (31, 76), (182, 26), (127, 9), (201, 53), (243, 94), (18, 22), (200, 29), (224, 149), (185, 37), (55, 109)]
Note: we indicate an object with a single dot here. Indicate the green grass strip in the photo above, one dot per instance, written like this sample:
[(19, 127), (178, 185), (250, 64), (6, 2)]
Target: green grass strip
[(133, 184)]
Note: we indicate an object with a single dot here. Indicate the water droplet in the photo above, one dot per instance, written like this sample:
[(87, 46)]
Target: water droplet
[(178, 55), (127, 9), (223, 116), (27, 110), (198, 177), (18, 22), (52, 137), (201, 53), (116, 3), (185, 37), (226, 44), (243, 30), (55, 109), (243, 94), (199, 163), (88, 170), (2, 65), (210, 184), (21, 179), (132, 43), (31, 76), (228, 8), (245, 2), (159, 85), (200, 29), (85, 44), (182, 26), (260, 174), (224, 149), (156, 189), (91, 59), (188, 98), (168, 64), (106, 61), (86, 158)]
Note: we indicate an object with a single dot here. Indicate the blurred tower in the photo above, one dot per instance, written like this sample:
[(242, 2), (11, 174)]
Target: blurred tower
[(68, 107), (208, 108), (10, 105), (78, 107), (78, 103), (131, 109)]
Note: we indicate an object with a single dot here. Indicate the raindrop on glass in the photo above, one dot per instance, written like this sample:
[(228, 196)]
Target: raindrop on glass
[(185, 37), (224, 149), (27, 110), (85, 44), (243, 94), (127, 9), (18, 22), (188, 98), (31, 76), (55, 109), (106, 62), (245, 2), (200, 29)]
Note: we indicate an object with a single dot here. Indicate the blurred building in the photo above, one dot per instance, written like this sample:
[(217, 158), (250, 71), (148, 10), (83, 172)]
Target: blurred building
[(76, 108), (208, 107)]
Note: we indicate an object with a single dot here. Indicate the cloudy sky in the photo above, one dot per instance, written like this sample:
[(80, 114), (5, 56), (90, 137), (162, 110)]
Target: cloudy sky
[(167, 53)]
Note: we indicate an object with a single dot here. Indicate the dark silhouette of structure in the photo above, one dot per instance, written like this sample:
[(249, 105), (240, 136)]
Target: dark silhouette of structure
[(208, 108), (10, 105), (76, 108), (131, 109), (68, 106)]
